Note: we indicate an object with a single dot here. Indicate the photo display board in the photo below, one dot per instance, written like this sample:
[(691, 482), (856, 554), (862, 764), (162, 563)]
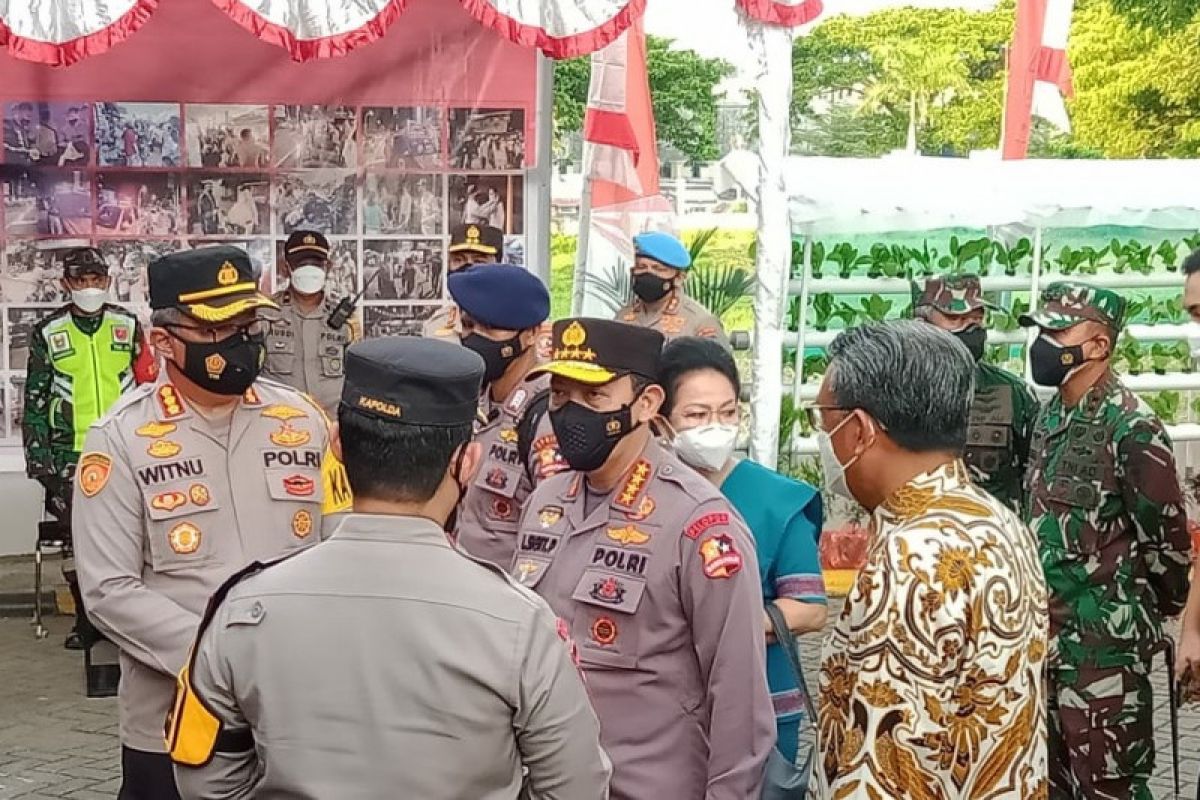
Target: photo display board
[(384, 150)]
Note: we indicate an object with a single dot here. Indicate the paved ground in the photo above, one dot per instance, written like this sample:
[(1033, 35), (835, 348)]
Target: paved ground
[(56, 744)]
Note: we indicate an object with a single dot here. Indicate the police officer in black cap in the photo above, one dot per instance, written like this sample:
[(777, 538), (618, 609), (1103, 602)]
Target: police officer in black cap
[(502, 308), (450, 680), (469, 245), (187, 480), (304, 349)]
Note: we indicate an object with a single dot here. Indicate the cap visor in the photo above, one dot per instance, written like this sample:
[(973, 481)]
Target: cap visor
[(472, 248), (576, 371), (226, 308), (1053, 322)]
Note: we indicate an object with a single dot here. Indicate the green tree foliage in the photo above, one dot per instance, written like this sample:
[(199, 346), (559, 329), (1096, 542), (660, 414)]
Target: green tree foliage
[(1164, 14), (682, 85)]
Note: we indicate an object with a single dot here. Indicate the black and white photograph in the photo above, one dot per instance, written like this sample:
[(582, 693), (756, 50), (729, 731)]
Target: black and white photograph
[(225, 204), (261, 252), (396, 320), (487, 138), (47, 134), (342, 280), (14, 404), (408, 269), (409, 205), (322, 200), (127, 262), (138, 203), (514, 250), (496, 200), (21, 322), (32, 272), (228, 137), (48, 202), (402, 138), (138, 134), (315, 136)]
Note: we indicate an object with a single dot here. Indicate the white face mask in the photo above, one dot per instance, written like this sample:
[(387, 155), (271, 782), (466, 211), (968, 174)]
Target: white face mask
[(835, 471), (89, 301), (708, 447), (308, 279)]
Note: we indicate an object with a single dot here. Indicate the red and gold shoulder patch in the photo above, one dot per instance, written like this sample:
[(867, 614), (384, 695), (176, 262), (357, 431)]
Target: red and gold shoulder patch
[(707, 332), (635, 484), (93, 472), (721, 556), (251, 397), (712, 520), (169, 402)]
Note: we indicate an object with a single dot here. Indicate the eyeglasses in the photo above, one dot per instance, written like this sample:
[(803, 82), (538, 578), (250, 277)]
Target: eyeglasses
[(812, 414), (218, 333)]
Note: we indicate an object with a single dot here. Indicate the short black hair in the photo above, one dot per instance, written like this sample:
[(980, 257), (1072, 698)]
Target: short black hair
[(689, 354), (396, 462), (1191, 264)]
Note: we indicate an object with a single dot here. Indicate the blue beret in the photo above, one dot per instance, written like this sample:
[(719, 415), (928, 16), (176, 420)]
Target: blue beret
[(501, 296), (663, 248)]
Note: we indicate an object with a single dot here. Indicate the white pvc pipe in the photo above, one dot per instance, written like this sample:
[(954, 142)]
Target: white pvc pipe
[(1002, 283), (824, 338), (801, 338)]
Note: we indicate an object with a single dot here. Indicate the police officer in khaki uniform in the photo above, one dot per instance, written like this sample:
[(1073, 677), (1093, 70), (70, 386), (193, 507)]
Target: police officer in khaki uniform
[(655, 575), (187, 480), (384, 663), (469, 245), (502, 308), (303, 351), (1004, 410), (660, 267)]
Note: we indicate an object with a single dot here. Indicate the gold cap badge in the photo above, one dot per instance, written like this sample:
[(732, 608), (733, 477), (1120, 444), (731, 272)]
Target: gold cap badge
[(227, 275)]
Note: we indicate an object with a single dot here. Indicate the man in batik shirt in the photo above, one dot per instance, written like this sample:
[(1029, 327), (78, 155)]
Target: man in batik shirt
[(932, 682)]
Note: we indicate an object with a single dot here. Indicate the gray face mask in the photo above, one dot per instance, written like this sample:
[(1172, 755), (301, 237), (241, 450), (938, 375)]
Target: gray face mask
[(834, 470)]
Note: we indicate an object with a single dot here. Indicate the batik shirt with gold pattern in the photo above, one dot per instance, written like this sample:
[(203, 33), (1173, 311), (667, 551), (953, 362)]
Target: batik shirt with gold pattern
[(932, 682)]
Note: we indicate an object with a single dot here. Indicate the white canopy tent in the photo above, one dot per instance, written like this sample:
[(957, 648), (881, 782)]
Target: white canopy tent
[(905, 193)]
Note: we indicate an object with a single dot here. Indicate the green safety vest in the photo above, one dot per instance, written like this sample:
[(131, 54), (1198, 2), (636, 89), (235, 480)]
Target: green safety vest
[(90, 372)]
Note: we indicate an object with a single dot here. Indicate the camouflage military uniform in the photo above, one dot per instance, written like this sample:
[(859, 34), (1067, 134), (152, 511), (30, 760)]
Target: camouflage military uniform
[(1004, 409), (1103, 498)]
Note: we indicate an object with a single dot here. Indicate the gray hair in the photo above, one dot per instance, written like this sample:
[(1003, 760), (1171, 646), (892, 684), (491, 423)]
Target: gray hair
[(164, 317), (917, 380)]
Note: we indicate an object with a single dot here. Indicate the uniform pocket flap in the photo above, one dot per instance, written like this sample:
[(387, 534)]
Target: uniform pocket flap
[(620, 593), (245, 612), (183, 499), (295, 484), (989, 436), (499, 479)]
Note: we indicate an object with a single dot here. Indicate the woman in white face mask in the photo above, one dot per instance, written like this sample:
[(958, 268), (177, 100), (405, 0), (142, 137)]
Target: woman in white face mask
[(785, 516)]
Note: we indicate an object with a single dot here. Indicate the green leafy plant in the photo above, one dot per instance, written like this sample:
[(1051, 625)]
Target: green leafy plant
[(1168, 254), (1162, 357), (1011, 258), (815, 365), (719, 288), (1009, 319), (847, 257), (1092, 258), (1192, 243), (1068, 260), (823, 308), (613, 288), (1165, 405), (699, 241), (1131, 354), (847, 313), (926, 259), (875, 308)]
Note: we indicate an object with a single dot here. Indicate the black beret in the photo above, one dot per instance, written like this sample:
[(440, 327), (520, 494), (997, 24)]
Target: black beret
[(413, 381), (211, 284), (501, 296), (305, 245), (598, 351), (479, 239)]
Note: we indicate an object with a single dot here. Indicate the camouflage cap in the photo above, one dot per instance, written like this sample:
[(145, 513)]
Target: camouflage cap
[(1067, 303), (951, 294)]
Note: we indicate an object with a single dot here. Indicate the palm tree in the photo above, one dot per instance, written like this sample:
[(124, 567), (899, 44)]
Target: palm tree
[(913, 75)]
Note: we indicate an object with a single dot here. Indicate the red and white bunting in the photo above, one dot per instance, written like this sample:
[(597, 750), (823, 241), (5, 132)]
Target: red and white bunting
[(1039, 74), (62, 33)]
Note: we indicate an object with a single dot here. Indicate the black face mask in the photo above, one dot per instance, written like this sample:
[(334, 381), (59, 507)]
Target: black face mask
[(651, 288), (1051, 362), (227, 367), (974, 337), (497, 356), (587, 438)]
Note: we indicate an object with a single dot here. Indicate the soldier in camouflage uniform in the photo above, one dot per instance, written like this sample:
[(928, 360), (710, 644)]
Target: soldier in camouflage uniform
[(81, 359), (1004, 410), (1103, 498)]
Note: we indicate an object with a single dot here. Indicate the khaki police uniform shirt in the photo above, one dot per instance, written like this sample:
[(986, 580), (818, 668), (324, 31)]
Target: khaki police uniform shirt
[(679, 316), (386, 664), (169, 505), (491, 507), (305, 353), (660, 588), (444, 324)]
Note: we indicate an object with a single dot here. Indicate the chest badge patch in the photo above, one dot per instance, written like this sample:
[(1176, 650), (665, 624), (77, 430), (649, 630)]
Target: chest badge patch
[(287, 436), (302, 523), (508, 435), (60, 344), (721, 557), (168, 501), (604, 631), (299, 485), (644, 510), (184, 538), (497, 479), (550, 515), (164, 448), (526, 570), (154, 430), (198, 493), (610, 591), (628, 535), (283, 413)]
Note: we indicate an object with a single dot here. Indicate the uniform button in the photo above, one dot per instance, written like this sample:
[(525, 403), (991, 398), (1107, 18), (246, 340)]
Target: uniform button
[(667, 469), (256, 610)]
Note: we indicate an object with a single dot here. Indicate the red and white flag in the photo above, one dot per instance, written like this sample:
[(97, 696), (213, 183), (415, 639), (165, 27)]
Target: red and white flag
[(620, 144), (1039, 74)]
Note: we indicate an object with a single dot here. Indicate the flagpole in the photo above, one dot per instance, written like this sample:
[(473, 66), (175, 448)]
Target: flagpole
[(583, 237)]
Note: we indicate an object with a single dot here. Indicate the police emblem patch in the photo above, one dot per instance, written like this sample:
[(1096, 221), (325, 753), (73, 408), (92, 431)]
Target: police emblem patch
[(610, 591), (628, 535), (168, 501), (721, 557), (302, 523), (164, 448), (550, 515), (287, 436), (198, 494), (604, 631), (299, 485), (184, 538), (94, 469)]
